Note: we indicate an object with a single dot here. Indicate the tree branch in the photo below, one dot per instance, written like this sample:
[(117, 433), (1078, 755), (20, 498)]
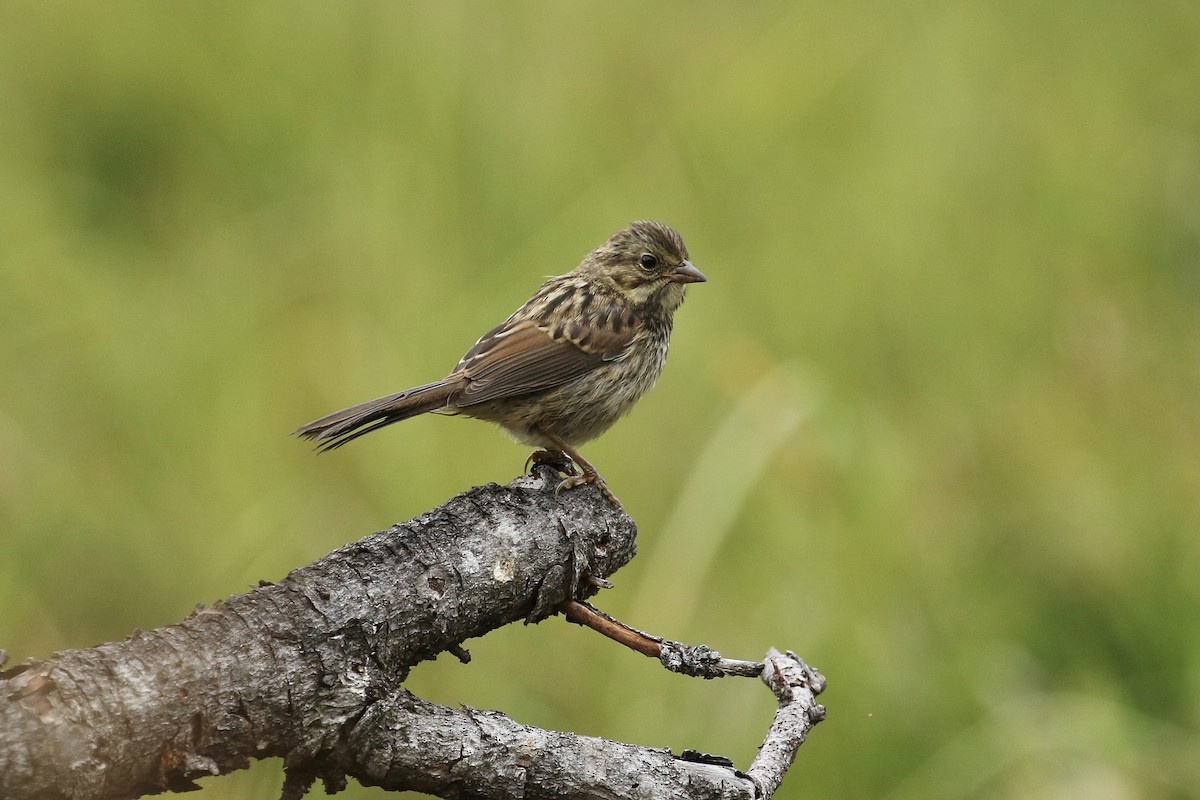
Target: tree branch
[(406, 743), (309, 670)]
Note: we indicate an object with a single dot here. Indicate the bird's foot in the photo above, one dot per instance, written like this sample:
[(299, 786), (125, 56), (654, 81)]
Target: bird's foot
[(592, 477), (574, 478), (555, 459)]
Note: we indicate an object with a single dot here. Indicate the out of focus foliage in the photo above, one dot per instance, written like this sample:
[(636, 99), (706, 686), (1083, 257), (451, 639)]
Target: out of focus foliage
[(934, 422)]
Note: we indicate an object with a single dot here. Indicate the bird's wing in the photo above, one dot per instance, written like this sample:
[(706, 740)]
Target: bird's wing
[(523, 356)]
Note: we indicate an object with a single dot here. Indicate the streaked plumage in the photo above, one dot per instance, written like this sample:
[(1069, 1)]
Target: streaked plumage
[(567, 364)]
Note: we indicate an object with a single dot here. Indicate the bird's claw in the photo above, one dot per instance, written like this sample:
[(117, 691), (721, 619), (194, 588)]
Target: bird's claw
[(595, 480), (564, 458)]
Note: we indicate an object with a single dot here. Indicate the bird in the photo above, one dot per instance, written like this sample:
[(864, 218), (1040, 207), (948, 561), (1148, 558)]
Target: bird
[(564, 366)]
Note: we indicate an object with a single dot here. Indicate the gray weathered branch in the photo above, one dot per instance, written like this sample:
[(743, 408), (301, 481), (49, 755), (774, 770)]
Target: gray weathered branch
[(407, 743), (308, 670)]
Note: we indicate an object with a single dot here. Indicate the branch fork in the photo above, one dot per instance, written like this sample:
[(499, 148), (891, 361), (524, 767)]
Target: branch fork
[(308, 669)]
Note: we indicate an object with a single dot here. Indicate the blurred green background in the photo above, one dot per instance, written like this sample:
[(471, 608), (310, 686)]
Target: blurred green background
[(933, 423)]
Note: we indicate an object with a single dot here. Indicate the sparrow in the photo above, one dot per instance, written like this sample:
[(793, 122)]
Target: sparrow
[(565, 366)]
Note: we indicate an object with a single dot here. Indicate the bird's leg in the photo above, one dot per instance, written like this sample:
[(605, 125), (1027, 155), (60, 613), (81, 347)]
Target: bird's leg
[(555, 459), (590, 475)]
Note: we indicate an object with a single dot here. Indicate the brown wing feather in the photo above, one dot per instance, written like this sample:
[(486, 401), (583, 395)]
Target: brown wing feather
[(520, 357)]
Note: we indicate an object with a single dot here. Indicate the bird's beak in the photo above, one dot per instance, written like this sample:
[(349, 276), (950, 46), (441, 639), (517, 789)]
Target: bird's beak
[(686, 273)]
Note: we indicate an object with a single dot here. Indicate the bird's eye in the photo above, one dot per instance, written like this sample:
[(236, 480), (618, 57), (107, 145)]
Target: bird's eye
[(649, 262)]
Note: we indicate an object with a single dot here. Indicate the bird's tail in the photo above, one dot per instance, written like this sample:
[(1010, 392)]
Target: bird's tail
[(335, 429)]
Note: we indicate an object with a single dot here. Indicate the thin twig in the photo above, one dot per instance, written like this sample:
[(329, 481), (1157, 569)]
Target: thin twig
[(699, 661)]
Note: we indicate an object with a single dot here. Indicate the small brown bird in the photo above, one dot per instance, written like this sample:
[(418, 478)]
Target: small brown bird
[(566, 365)]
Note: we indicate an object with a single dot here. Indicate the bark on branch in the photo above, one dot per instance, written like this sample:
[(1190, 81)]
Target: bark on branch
[(411, 744), (308, 670)]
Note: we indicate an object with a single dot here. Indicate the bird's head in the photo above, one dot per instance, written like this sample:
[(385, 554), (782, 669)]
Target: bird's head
[(645, 262)]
